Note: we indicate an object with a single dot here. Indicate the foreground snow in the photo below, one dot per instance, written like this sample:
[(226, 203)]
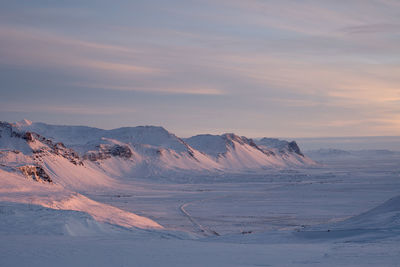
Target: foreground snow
[(126, 251)]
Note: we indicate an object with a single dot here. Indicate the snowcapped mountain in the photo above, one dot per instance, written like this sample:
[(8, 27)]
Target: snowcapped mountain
[(233, 152), (150, 150)]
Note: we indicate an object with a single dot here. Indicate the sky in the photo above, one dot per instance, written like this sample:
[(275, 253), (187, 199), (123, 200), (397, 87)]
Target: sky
[(309, 68)]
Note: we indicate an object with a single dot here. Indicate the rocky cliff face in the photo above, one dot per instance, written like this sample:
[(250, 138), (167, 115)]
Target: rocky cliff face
[(52, 147), (36, 173), (106, 151), (281, 146), (37, 144), (293, 147)]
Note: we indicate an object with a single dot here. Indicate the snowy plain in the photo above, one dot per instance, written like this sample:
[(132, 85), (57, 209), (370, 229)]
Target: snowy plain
[(343, 211)]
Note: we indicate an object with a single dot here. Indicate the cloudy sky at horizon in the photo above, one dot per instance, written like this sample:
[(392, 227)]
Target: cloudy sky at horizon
[(256, 67)]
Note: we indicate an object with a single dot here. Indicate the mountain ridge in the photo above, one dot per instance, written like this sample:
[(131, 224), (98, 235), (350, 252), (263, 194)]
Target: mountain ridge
[(152, 150)]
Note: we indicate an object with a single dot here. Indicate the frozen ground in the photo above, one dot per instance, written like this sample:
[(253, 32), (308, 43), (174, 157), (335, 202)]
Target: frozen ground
[(302, 217)]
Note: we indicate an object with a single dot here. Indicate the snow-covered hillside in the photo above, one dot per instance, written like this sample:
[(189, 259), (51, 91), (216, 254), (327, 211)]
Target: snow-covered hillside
[(380, 222), (233, 152), (150, 150), (37, 170)]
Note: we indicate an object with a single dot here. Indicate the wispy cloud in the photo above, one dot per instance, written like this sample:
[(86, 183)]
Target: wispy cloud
[(373, 28), (190, 90), (27, 46), (118, 67), (66, 109)]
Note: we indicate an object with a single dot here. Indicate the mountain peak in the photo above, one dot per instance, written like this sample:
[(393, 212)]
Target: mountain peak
[(24, 122), (280, 145)]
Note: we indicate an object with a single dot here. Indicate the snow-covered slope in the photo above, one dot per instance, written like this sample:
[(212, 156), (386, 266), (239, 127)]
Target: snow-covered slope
[(142, 150), (36, 170), (14, 218), (233, 152), (384, 216), (18, 189), (377, 223), (150, 150), (80, 135)]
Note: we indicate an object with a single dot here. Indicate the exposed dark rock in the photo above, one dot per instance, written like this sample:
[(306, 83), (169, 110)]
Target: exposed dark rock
[(54, 148), (106, 152), (284, 147), (293, 147), (7, 129), (36, 173), (28, 136), (121, 151)]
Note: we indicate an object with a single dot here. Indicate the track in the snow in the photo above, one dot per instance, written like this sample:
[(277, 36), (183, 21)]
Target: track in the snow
[(206, 231)]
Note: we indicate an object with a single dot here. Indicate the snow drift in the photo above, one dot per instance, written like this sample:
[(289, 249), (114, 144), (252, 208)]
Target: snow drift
[(377, 223)]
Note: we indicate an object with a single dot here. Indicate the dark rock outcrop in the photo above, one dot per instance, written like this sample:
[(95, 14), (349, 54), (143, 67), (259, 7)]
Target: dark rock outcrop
[(7, 129), (52, 147), (121, 151), (284, 147), (36, 173), (293, 147), (106, 152), (28, 136)]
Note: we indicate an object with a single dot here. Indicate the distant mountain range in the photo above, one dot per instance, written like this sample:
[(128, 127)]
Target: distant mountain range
[(144, 150), (351, 143)]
